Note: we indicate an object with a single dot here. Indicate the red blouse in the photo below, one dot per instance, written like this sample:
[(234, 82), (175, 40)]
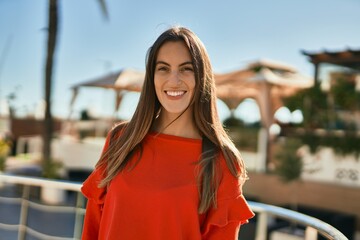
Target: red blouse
[(158, 198)]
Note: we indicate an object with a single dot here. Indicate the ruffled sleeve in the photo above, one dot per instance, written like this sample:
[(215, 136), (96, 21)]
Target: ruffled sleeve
[(232, 209), (96, 197), (91, 189)]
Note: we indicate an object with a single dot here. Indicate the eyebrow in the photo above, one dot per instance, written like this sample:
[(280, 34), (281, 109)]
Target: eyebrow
[(180, 65)]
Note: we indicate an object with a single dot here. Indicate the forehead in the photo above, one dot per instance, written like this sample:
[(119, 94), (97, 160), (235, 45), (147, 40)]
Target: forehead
[(173, 50)]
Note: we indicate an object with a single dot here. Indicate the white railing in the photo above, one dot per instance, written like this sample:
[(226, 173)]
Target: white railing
[(26, 203), (312, 225)]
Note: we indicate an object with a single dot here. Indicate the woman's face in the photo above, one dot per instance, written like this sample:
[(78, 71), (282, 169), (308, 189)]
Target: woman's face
[(174, 77)]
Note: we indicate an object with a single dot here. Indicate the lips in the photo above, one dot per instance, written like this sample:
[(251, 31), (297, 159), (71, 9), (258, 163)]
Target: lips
[(175, 93)]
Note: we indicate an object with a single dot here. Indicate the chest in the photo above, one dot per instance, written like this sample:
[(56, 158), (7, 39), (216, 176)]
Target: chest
[(164, 175)]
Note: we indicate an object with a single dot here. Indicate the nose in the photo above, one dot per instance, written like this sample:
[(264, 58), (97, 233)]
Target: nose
[(174, 78)]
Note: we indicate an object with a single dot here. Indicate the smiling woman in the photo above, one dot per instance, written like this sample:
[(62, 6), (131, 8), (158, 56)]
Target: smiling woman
[(171, 172)]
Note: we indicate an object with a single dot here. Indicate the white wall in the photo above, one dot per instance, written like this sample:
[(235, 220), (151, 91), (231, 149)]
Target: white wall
[(326, 166)]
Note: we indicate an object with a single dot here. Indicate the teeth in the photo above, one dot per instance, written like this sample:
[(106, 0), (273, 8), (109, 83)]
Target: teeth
[(175, 93)]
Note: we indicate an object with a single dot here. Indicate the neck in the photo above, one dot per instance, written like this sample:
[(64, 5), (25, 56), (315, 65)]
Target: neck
[(183, 126)]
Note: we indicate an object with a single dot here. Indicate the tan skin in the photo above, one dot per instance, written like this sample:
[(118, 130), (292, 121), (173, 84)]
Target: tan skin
[(174, 85)]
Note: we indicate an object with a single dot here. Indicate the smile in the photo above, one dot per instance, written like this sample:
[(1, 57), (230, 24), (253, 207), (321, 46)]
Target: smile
[(175, 93)]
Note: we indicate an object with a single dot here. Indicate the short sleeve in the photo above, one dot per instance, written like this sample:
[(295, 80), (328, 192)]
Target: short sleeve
[(231, 204), (96, 199), (90, 187)]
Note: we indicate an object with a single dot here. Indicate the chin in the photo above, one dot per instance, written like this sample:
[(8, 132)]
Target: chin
[(173, 110)]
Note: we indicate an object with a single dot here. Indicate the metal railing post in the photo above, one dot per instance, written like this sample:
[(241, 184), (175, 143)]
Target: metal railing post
[(311, 233), (24, 212), (78, 213), (261, 228)]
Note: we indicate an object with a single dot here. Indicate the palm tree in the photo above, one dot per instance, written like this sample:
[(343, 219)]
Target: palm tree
[(51, 47)]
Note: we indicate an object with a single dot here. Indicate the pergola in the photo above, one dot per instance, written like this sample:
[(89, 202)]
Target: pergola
[(348, 58), (265, 81)]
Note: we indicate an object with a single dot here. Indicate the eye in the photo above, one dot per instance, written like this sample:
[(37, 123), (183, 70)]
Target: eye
[(162, 69), (187, 69)]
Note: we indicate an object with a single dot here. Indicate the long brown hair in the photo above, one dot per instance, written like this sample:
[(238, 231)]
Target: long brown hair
[(215, 139)]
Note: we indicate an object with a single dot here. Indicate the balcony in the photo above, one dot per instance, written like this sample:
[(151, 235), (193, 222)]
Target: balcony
[(23, 215)]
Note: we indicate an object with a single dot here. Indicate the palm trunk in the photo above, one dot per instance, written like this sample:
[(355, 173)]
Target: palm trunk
[(51, 45)]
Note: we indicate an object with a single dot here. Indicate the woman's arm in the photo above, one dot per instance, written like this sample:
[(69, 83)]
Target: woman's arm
[(92, 220)]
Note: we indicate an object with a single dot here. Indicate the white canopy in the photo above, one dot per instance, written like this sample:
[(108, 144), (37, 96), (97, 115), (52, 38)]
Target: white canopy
[(123, 80), (126, 79)]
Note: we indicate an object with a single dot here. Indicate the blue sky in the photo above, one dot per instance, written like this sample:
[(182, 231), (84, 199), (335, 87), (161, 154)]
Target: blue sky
[(234, 32)]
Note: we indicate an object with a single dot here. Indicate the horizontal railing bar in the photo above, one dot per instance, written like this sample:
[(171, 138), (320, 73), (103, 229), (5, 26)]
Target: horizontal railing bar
[(10, 200), (322, 227), (10, 227), (43, 207), (52, 208), (41, 182), (44, 236), (15, 227)]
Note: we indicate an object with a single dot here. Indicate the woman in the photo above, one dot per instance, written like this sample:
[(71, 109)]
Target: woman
[(171, 172)]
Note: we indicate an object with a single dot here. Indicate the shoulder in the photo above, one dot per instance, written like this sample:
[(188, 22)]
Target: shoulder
[(117, 130), (114, 134), (91, 187)]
